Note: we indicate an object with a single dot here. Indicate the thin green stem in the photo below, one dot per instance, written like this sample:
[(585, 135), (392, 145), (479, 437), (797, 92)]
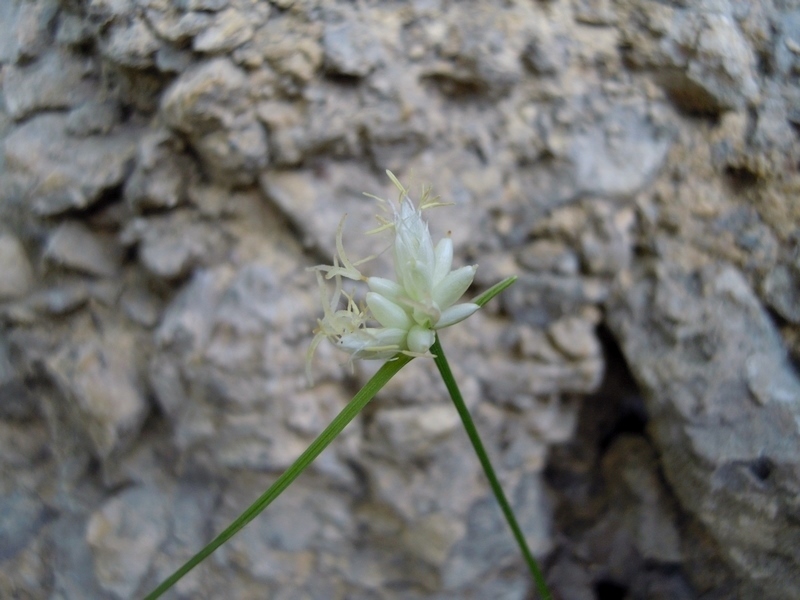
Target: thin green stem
[(483, 298), (472, 432), (384, 374)]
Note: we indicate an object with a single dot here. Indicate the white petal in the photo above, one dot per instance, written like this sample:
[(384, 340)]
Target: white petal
[(453, 286), (385, 287), (456, 314), (373, 343), (420, 339), (443, 259), (387, 313), (413, 252)]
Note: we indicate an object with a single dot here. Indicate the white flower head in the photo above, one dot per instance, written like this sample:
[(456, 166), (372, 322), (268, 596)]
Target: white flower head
[(410, 308)]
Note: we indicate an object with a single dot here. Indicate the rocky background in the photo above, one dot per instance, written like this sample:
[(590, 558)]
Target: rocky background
[(169, 169)]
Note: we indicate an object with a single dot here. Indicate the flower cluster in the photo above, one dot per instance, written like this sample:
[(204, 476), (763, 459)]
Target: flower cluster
[(409, 309)]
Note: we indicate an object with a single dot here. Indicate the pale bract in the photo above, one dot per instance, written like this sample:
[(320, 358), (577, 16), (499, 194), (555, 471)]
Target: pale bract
[(399, 315)]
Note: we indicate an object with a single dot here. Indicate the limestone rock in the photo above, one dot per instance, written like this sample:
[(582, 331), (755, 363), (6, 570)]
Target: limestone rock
[(471, 58), (17, 277), (55, 81), (209, 104), (101, 391), (546, 255), (32, 29), (177, 26), (30, 515), (722, 469), (633, 162), (620, 156), (64, 173), (8, 17), (700, 57), (171, 256), (411, 431), (93, 118), (227, 31), (74, 246), (124, 535), (781, 288), (351, 48), (130, 43), (159, 179), (787, 45), (543, 298)]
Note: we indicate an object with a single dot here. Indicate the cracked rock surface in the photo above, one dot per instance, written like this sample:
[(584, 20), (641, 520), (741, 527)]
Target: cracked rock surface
[(169, 169)]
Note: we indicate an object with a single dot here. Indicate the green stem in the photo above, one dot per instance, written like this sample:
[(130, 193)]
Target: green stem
[(472, 432), (384, 374), (482, 299)]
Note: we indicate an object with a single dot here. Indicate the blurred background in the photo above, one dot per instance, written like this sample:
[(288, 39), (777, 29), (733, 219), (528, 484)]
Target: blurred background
[(171, 167)]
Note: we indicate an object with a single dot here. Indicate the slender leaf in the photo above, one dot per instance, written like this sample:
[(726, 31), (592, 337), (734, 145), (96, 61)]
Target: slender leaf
[(483, 298), (384, 374)]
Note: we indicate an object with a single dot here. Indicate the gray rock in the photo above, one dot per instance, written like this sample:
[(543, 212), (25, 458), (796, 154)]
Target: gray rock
[(229, 30), (541, 299), (141, 307), (17, 277), (700, 57), (208, 5), (8, 21), (487, 534), (176, 26), (56, 80), (413, 431), (18, 404), (93, 118), (61, 299), (547, 54), (479, 53), (726, 455), (724, 64), (575, 338), (32, 28), (432, 538), (124, 536), (171, 246), (74, 246), (210, 105), (631, 471), (159, 179), (546, 255), (781, 289), (130, 43), (64, 173), (594, 12), (210, 96), (23, 514), (513, 382), (173, 60), (101, 390), (295, 55), (620, 155), (606, 240), (73, 572), (787, 45), (73, 30), (351, 48), (542, 123)]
